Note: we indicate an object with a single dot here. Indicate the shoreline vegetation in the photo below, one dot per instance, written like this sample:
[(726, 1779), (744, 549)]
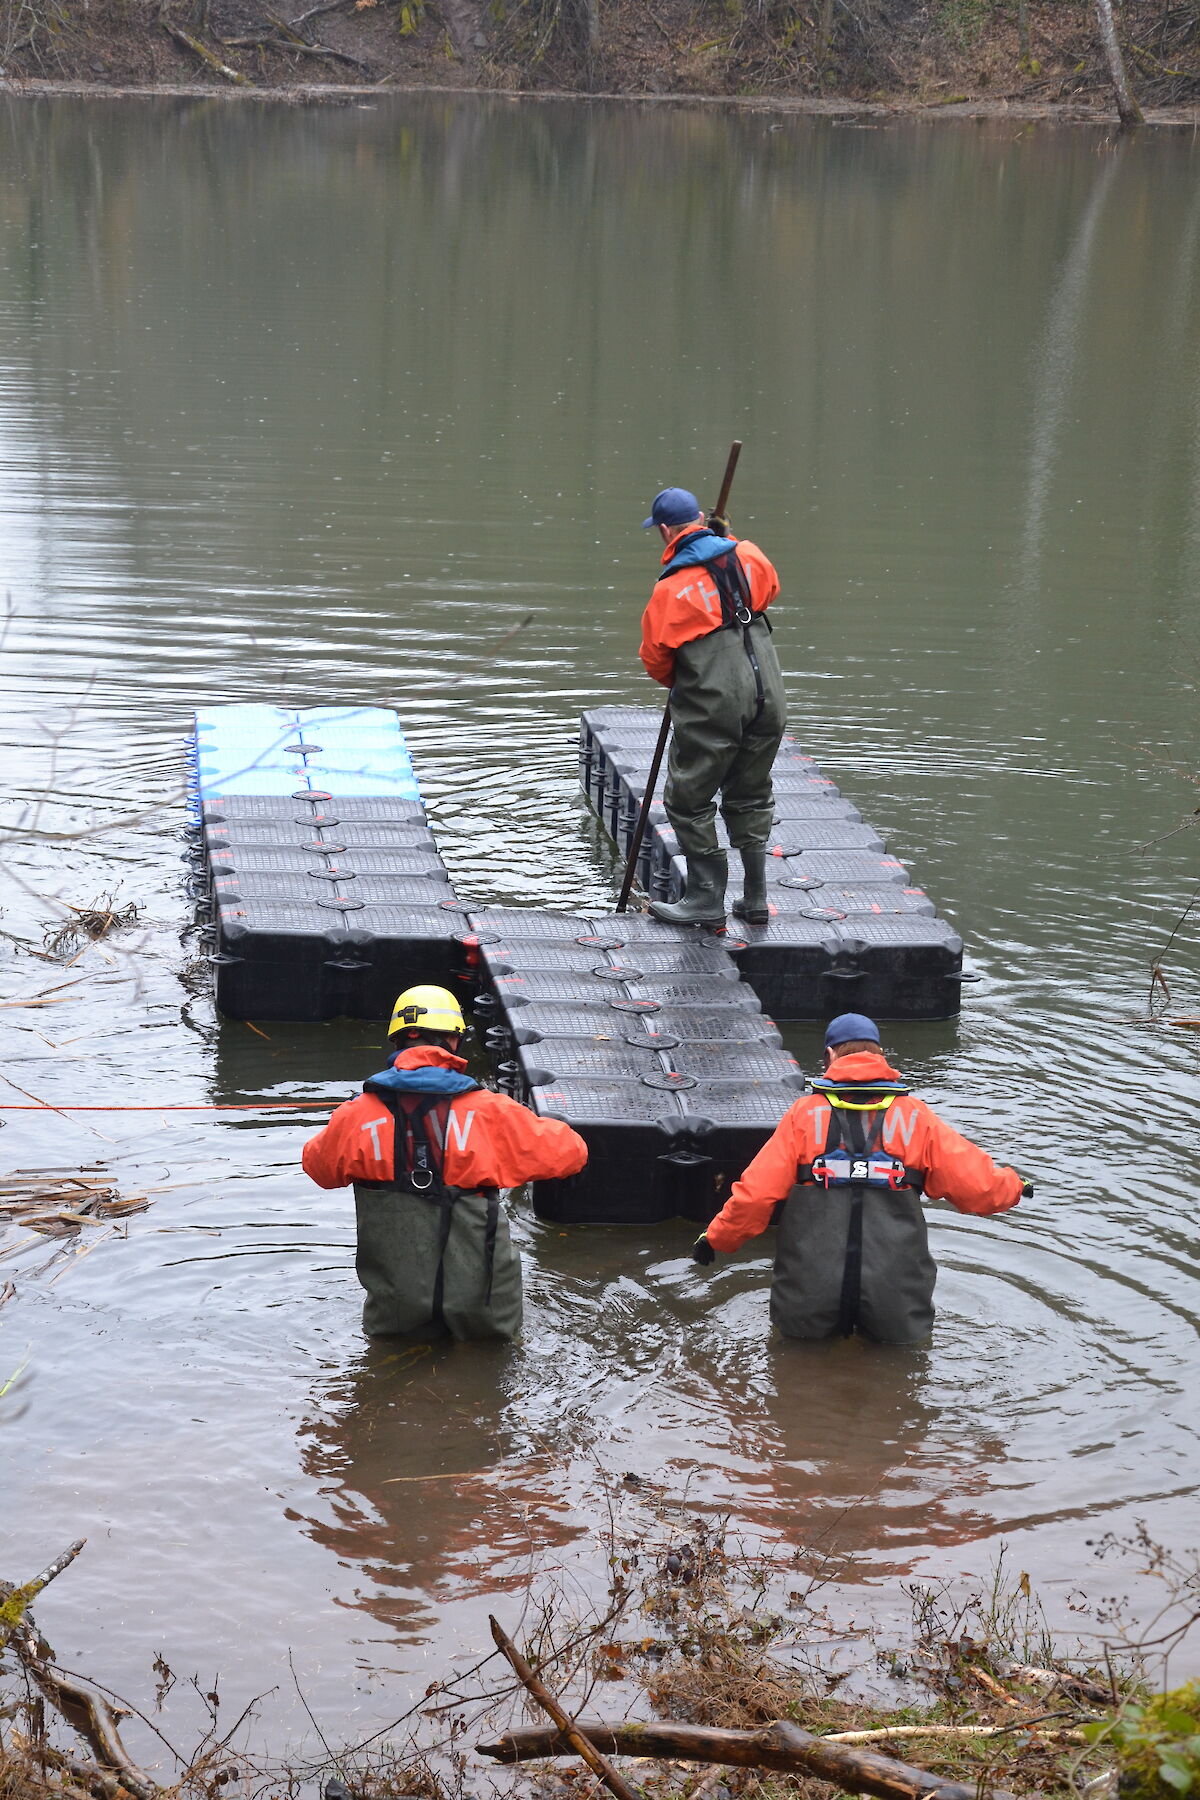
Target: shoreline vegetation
[(712, 1671), (858, 59)]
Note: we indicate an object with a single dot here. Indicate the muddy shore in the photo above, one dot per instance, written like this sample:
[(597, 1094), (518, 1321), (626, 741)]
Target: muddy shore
[(842, 111), (954, 58)]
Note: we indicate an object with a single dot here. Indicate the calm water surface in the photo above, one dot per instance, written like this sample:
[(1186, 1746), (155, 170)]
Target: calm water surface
[(317, 405)]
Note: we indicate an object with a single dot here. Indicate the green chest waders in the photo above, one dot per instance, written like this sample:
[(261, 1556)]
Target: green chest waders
[(852, 1248), (431, 1255)]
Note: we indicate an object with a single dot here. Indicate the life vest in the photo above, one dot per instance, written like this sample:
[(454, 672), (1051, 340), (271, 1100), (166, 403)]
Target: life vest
[(421, 1122), (853, 1158), (733, 587)]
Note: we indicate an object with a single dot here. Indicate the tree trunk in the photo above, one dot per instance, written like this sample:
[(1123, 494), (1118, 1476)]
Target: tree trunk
[(780, 1746), (1023, 33), (824, 36), (1128, 110)]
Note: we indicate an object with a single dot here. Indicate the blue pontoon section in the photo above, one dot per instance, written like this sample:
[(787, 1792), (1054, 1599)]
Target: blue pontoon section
[(344, 751), (314, 855)]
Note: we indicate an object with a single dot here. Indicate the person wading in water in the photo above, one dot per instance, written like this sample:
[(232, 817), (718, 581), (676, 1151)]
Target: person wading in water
[(705, 636), (845, 1172), (428, 1151)]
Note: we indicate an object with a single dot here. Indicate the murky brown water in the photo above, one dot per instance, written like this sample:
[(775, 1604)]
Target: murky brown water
[(318, 405)]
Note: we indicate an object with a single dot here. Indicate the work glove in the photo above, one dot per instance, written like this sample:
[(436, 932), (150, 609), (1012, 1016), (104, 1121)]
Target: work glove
[(1026, 1186), (716, 523), (702, 1251)]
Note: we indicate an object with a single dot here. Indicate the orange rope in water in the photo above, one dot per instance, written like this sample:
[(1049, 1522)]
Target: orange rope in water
[(214, 1106)]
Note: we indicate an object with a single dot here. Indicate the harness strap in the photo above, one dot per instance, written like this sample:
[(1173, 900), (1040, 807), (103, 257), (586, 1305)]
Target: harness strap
[(731, 583), (426, 1161), (737, 613), (877, 1101)]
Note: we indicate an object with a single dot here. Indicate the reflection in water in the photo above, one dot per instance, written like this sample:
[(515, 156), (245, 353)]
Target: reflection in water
[(442, 1494), (436, 1500), (1055, 366), (860, 1464)]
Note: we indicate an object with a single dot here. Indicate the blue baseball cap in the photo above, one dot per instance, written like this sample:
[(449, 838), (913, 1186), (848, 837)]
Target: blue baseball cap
[(849, 1026), (674, 506)]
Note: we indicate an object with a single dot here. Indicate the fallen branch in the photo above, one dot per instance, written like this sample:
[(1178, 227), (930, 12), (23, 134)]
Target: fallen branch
[(315, 12), (81, 1705), (305, 44), (86, 1775), (993, 1686), (61, 1562), (291, 46), (17, 1599), (206, 55), (1049, 1679), (286, 30), (888, 1733), (781, 1746), (576, 1741)]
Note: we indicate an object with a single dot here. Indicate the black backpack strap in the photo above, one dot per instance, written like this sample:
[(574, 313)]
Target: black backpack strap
[(426, 1172), (737, 613), (734, 588)]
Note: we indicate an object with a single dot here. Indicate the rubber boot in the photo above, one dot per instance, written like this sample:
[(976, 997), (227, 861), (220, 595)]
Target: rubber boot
[(753, 904), (703, 902)]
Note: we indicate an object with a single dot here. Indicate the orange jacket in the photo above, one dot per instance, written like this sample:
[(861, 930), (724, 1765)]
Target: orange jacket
[(954, 1169), (491, 1140), (686, 605)]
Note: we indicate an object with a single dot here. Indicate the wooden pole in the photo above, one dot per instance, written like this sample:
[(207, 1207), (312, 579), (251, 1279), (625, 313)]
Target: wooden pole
[(639, 830), (576, 1741), (781, 1746)]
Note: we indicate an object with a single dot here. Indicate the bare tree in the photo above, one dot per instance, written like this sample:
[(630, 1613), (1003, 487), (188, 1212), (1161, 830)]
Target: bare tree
[(1128, 110)]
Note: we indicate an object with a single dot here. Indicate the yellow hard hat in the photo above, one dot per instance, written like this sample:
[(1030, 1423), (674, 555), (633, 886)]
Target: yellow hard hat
[(428, 1009)]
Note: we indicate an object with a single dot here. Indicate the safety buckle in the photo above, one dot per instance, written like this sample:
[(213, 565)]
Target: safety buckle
[(743, 614), (421, 1187), (897, 1175), (822, 1172)]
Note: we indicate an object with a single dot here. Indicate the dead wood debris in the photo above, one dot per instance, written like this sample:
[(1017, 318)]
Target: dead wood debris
[(209, 57), (781, 1746), (89, 924), (81, 1705), (58, 1204)]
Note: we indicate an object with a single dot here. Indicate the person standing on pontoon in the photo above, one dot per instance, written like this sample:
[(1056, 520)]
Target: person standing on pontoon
[(705, 635)]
